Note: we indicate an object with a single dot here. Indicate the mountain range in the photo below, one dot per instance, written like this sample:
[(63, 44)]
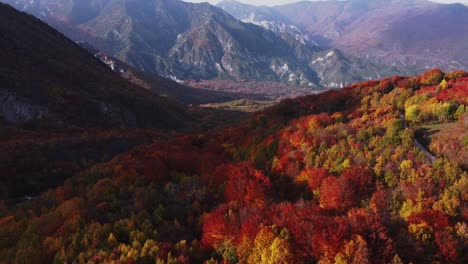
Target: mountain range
[(183, 40), (98, 168), (375, 172), (414, 34)]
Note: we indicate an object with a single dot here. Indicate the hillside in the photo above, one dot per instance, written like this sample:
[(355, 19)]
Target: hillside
[(337, 177), (183, 40), (48, 80), (62, 110)]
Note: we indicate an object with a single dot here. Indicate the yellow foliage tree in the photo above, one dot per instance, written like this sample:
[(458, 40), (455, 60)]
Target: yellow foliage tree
[(271, 248), (355, 252), (406, 165), (150, 249), (396, 260), (111, 240), (443, 84), (421, 231), (450, 201), (409, 208)]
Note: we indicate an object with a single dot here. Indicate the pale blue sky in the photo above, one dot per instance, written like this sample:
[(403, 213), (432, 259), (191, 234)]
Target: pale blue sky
[(279, 2)]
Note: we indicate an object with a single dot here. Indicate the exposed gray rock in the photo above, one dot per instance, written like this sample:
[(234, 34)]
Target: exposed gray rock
[(16, 110)]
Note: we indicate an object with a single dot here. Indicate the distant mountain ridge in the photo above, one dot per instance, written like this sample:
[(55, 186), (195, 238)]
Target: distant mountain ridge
[(417, 34), (198, 41)]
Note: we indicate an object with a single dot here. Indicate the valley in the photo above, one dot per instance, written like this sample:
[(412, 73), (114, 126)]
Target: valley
[(163, 131)]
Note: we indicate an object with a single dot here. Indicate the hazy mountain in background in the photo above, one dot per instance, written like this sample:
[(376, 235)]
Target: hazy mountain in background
[(415, 33), (198, 41)]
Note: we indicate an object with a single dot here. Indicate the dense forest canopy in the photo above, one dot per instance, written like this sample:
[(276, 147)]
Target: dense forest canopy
[(372, 173)]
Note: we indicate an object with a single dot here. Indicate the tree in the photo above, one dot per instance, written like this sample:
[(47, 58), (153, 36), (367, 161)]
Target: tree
[(435, 219), (271, 247), (361, 180), (246, 184), (422, 232), (329, 236), (412, 113), (447, 247), (313, 177), (443, 85), (355, 252), (330, 193), (219, 226), (431, 77)]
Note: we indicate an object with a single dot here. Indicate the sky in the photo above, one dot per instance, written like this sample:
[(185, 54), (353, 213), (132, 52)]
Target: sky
[(279, 2)]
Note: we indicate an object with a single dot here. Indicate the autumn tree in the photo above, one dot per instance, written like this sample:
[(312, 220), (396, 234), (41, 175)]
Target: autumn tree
[(355, 252), (330, 193), (431, 77), (246, 184), (271, 246)]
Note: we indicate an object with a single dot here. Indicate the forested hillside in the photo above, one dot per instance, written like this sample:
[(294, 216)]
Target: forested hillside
[(371, 173), (62, 110)]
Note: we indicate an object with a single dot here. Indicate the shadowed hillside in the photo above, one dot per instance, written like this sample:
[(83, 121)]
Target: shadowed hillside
[(47, 79)]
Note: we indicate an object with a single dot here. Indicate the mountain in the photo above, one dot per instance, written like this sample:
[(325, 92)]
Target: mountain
[(47, 79), (173, 89), (196, 41), (266, 17), (375, 172), (415, 33)]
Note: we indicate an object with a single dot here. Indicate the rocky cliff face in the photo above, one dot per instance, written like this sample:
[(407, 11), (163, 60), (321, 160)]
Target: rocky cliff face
[(268, 18), (196, 41)]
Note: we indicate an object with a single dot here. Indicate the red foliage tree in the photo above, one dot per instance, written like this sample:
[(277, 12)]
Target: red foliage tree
[(251, 221), (330, 193), (447, 247), (313, 176), (371, 228), (330, 234), (220, 225), (246, 184), (436, 219), (386, 85), (458, 93), (361, 180), (355, 184)]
